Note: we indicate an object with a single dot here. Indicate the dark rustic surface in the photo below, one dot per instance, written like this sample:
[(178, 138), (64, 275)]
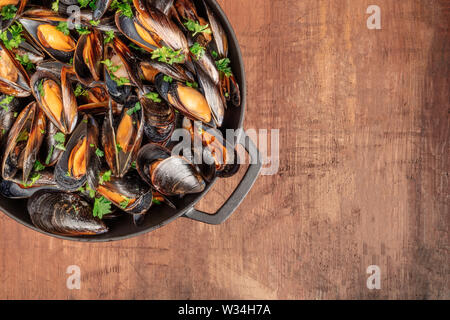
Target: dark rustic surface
[(363, 177)]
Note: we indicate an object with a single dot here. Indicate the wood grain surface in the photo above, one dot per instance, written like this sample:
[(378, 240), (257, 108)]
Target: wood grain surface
[(363, 177)]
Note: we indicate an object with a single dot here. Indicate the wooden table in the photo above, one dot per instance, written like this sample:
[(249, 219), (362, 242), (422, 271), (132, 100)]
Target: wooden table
[(363, 176)]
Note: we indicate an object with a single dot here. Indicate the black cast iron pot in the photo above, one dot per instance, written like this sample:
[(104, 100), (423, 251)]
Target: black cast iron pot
[(124, 228)]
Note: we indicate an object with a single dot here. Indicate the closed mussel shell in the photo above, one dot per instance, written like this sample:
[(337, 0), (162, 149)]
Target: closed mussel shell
[(64, 214)]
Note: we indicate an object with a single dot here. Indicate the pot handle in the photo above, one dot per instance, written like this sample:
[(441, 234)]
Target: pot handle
[(239, 193)]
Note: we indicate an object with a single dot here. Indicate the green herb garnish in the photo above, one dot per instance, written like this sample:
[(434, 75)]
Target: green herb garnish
[(94, 22), (61, 139), (9, 12), (23, 136), (63, 27), (34, 177), (25, 61), (90, 190), (136, 108), (12, 37), (118, 147), (135, 47), (198, 51), (105, 177), (102, 206), (123, 7), (79, 91), (124, 204), (156, 201), (82, 30), (41, 88), (192, 84), (99, 153), (153, 96), (55, 5), (223, 66), (133, 164), (168, 79), (49, 156), (196, 27), (168, 55), (5, 102), (109, 36), (38, 166)]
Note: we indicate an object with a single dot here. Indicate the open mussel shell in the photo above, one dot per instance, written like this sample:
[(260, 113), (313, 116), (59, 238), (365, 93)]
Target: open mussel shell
[(158, 23), (56, 98), (14, 80), (17, 5), (128, 193), (64, 214), (159, 118), (10, 106), (122, 136), (218, 32), (101, 6), (213, 96), (123, 67), (189, 101), (13, 190), (79, 162), (169, 175), (34, 53), (88, 54), (205, 61), (151, 68), (218, 156), (53, 41), (136, 32), (23, 143)]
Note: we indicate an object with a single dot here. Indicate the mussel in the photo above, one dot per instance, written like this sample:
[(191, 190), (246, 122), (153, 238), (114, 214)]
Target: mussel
[(169, 175), (128, 193), (13, 190), (14, 80), (64, 214), (54, 42), (159, 117), (122, 136), (56, 98), (188, 100), (88, 54), (23, 144), (50, 151), (80, 163), (9, 106)]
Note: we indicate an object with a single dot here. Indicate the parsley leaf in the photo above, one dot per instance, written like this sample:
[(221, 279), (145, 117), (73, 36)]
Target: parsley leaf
[(49, 156), (136, 108), (109, 36), (156, 201), (5, 102), (192, 84), (105, 177), (79, 91), (223, 66), (168, 55), (153, 96), (38, 166), (102, 206), (12, 37), (196, 27), (197, 50), (9, 12), (123, 7), (94, 22), (55, 5), (34, 177), (99, 153), (63, 27), (124, 204), (23, 136), (82, 30), (168, 79), (90, 190), (25, 61), (61, 139)]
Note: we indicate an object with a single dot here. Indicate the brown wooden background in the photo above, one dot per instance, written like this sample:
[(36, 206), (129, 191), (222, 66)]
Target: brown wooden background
[(363, 177)]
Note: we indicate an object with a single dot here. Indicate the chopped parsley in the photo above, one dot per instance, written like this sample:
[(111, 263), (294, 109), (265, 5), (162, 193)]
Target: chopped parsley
[(5, 102), (38, 166), (99, 153), (198, 50), (192, 84), (55, 5), (61, 139), (82, 30), (197, 28), (109, 36), (49, 156), (153, 96), (105, 177), (214, 54), (168, 55), (133, 164), (63, 27), (9, 12), (90, 190), (118, 147), (41, 88), (25, 61), (123, 7), (136, 108), (168, 79), (102, 206), (34, 177), (113, 68), (124, 204), (79, 91), (85, 3), (156, 201), (223, 66), (135, 47), (12, 37), (23, 136), (94, 22)]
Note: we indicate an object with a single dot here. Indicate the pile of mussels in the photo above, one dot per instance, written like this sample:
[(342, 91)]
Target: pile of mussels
[(91, 98)]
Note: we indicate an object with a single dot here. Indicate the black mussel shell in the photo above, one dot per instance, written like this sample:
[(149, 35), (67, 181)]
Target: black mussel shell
[(13, 190), (64, 214), (10, 106)]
